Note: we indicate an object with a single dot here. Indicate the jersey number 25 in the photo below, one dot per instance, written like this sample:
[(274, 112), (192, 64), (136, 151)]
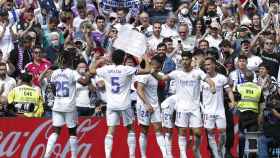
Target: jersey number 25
[(62, 89)]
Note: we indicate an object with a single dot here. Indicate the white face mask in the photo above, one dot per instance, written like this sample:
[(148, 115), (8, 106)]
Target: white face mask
[(184, 11), (55, 42), (82, 70)]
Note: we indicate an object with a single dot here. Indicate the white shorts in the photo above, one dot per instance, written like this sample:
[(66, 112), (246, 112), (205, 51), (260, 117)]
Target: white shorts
[(212, 121), (189, 119), (146, 118), (60, 118), (168, 111), (113, 117)]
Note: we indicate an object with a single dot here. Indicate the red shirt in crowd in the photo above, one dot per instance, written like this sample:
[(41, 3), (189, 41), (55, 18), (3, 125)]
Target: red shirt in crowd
[(37, 69)]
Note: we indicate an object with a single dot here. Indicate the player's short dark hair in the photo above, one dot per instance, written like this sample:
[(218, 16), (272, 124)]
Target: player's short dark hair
[(118, 56), (66, 57)]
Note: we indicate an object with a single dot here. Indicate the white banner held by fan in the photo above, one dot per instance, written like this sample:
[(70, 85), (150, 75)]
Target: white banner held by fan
[(132, 42)]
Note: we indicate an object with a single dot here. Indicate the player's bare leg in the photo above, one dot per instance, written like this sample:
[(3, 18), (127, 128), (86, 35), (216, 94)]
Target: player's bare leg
[(51, 141), (182, 141), (131, 141), (109, 141), (197, 141)]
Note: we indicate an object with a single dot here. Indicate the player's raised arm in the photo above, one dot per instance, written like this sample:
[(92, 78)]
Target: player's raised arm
[(94, 66), (160, 76), (145, 66), (155, 70)]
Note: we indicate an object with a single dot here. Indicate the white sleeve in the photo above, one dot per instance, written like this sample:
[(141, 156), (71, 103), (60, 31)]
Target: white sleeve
[(130, 70), (52, 77), (142, 79), (76, 76), (225, 82), (202, 75), (172, 75), (101, 72)]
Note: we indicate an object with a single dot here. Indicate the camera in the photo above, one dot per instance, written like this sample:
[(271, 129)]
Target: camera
[(24, 107)]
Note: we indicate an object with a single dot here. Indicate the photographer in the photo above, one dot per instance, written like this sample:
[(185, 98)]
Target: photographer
[(26, 99)]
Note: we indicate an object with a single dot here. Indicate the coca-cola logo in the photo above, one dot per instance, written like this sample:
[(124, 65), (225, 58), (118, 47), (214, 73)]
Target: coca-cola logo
[(35, 144)]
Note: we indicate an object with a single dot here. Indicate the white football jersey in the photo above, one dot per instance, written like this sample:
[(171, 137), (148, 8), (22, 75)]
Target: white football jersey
[(150, 89), (118, 80), (187, 89), (214, 103), (65, 83), (82, 95)]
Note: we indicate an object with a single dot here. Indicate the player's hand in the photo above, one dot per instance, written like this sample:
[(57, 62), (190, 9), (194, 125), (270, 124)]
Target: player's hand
[(149, 108), (213, 90)]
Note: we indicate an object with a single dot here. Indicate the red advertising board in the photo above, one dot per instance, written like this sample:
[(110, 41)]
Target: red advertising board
[(27, 138)]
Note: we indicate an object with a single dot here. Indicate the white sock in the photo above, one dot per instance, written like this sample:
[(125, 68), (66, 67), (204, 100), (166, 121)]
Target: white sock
[(73, 146), (108, 145), (222, 144), (50, 145), (213, 144), (161, 143), (143, 144), (182, 146), (168, 144), (131, 141), (197, 146)]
